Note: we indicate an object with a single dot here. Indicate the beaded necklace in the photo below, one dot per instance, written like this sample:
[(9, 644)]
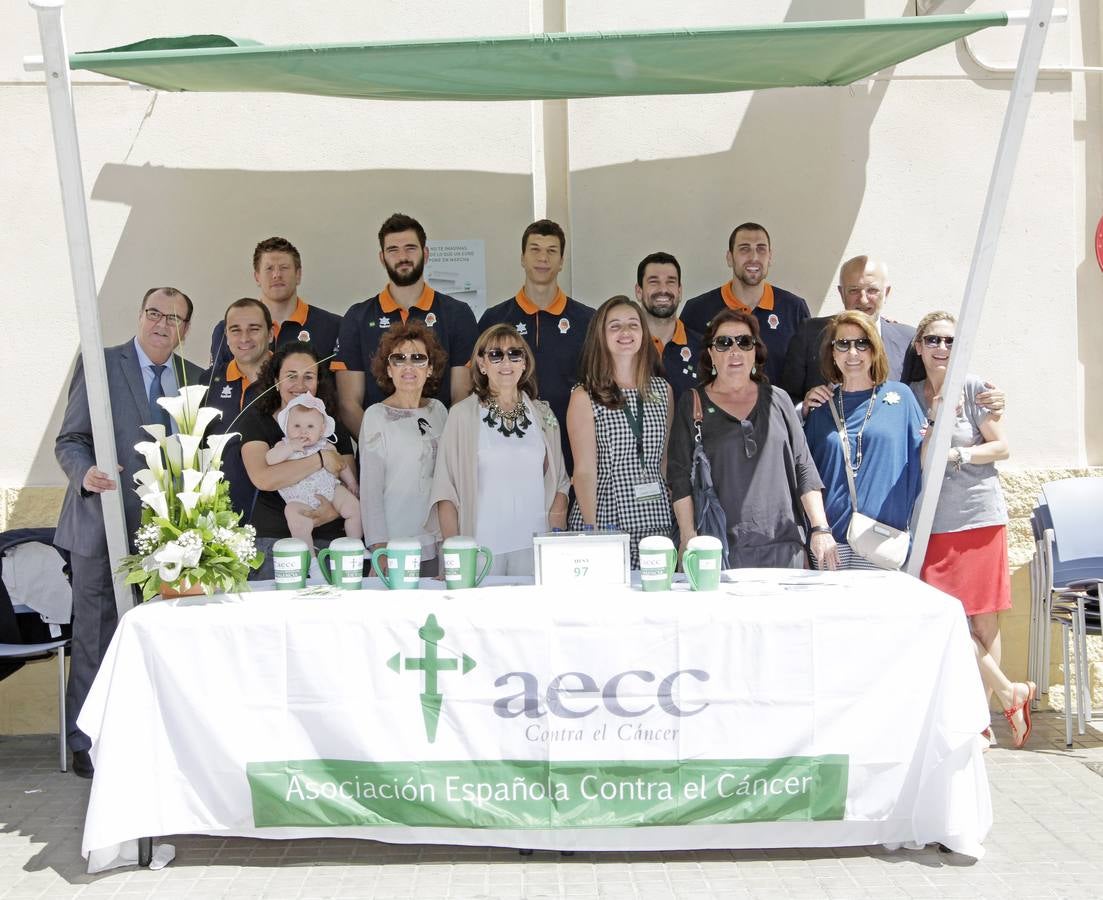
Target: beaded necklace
[(857, 464)]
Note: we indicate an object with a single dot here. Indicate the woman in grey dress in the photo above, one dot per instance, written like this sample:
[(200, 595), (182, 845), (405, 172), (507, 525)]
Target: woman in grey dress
[(761, 466)]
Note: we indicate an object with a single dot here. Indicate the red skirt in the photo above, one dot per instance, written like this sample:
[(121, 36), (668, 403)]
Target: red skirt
[(972, 566)]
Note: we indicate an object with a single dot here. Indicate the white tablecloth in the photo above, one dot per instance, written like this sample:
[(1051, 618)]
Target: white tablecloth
[(789, 709)]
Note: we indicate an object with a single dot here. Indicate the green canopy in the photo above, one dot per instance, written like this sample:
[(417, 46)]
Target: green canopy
[(543, 66)]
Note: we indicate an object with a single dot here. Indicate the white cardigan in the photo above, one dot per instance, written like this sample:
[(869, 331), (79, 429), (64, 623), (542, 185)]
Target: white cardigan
[(456, 476)]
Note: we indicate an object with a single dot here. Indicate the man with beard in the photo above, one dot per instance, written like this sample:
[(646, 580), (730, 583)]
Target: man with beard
[(402, 252), (553, 324), (779, 312), (659, 290), (278, 271)]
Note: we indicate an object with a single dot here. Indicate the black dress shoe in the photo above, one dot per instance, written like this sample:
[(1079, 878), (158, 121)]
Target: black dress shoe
[(82, 764)]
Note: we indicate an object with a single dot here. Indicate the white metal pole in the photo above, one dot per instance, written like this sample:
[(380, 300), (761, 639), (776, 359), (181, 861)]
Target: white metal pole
[(984, 253), (62, 120)]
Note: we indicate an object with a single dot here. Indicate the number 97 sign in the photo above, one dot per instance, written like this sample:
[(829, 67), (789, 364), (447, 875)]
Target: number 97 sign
[(582, 558)]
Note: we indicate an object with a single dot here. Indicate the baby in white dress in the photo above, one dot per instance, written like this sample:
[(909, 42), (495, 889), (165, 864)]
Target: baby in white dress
[(307, 429)]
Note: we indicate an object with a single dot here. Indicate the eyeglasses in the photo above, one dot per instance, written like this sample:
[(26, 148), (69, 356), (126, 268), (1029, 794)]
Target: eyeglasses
[(155, 315), (417, 360), (725, 342), (843, 345), (933, 340), (513, 354), (872, 292)]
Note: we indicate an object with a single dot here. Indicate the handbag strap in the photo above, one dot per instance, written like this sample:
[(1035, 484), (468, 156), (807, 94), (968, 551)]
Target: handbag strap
[(698, 417), (844, 439)]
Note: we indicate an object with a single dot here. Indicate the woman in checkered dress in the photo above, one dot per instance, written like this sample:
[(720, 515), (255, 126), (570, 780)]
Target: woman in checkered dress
[(618, 420)]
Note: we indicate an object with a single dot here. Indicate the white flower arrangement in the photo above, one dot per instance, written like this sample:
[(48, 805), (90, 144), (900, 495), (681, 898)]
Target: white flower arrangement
[(190, 534)]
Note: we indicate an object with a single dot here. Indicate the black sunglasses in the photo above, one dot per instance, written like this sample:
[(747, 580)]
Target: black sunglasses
[(933, 340), (513, 354), (843, 345), (417, 360), (725, 342)]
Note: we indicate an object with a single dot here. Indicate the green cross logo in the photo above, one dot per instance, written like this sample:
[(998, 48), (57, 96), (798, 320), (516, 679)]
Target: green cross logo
[(431, 663)]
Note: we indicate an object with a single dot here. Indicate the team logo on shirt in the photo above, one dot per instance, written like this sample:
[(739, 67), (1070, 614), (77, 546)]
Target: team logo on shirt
[(686, 354), (522, 329), (564, 325), (304, 336), (773, 321), (384, 321), (431, 319), (227, 392)]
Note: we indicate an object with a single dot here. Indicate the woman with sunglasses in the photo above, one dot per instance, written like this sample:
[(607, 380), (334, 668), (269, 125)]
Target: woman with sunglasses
[(967, 553), (500, 476), (882, 427), (618, 420), (398, 441), (761, 466)]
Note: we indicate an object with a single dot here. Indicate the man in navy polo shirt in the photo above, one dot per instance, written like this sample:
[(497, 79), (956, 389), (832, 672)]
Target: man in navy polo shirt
[(779, 312), (552, 323), (402, 252), (233, 386), (278, 270), (659, 290)]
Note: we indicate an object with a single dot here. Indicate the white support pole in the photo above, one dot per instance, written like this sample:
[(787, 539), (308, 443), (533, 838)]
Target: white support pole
[(984, 253), (62, 120)]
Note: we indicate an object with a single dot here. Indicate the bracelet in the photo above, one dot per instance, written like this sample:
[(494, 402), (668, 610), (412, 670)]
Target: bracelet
[(821, 529)]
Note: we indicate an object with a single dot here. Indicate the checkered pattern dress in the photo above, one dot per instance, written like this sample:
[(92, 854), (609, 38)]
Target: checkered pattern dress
[(618, 469)]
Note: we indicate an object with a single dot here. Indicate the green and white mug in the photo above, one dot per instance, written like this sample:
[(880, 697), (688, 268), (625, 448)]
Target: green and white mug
[(291, 563), (403, 564), (342, 563), (460, 557), (701, 562), (658, 560)]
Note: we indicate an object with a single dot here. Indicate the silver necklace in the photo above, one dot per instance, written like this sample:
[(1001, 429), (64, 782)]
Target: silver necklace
[(510, 422), (858, 441)]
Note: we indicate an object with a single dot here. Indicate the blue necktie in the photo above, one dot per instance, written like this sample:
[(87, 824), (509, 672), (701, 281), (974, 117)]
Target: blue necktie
[(158, 414)]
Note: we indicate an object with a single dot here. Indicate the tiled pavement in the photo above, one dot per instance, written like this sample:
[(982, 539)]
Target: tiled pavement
[(1047, 842)]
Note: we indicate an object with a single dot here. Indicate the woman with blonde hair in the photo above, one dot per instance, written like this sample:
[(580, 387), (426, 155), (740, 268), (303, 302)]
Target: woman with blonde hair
[(879, 440), (618, 420), (500, 476), (967, 553)]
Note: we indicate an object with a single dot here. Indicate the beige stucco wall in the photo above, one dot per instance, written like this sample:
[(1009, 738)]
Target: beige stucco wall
[(182, 186)]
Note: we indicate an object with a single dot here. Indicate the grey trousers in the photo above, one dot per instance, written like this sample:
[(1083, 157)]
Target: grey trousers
[(94, 621)]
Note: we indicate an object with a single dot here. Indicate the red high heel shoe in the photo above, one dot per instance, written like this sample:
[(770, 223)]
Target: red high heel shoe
[(1020, 734)]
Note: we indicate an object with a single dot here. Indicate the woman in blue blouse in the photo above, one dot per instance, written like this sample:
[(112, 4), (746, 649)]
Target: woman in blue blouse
[(883, 429)]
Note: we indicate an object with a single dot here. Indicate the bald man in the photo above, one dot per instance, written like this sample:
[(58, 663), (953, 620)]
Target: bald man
[(863, 286)]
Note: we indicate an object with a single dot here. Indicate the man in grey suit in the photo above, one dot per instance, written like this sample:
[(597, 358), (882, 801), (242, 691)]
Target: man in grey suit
[(137, 373), (863, 286)]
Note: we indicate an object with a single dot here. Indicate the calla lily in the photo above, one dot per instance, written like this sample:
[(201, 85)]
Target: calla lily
[(192, 477), (170, 560), (158, 501), (217, 445), (184, 407), (203, 419), (152, 454), (157, 432), (209, 485), (188, 499), (173, 454), (189, 446), (146, 477)]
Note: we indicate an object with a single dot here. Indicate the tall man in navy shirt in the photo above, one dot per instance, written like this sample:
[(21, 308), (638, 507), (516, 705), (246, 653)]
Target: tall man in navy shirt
[(553, 324), (278, 271), (778, 311), (402, 251), (659, 290)]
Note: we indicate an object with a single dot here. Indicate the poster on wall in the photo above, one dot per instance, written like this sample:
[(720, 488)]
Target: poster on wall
[(458, 268)]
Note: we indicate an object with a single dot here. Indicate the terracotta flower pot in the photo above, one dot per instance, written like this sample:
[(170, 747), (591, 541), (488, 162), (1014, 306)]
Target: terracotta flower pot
[(169, 592)]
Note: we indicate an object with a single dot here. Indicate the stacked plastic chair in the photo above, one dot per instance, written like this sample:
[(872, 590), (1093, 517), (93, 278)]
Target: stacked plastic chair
[(1067, 573)]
